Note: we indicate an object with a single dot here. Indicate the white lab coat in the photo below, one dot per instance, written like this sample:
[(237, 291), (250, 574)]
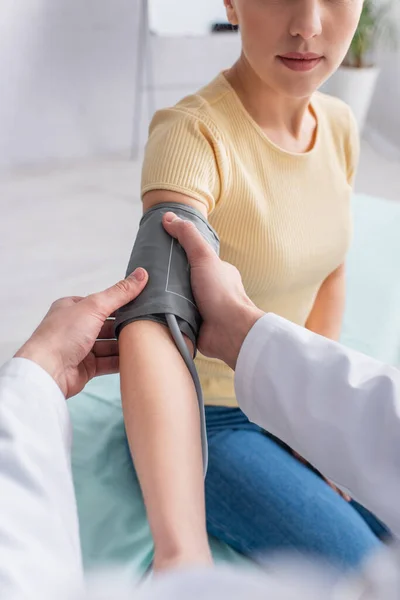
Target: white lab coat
[(39, 533), (336, 407)]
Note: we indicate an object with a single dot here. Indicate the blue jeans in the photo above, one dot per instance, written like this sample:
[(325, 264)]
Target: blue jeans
[(261, 499)]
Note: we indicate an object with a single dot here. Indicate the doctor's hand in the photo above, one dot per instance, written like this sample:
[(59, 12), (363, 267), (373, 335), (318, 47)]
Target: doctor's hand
[(227, 312), (75, 341)]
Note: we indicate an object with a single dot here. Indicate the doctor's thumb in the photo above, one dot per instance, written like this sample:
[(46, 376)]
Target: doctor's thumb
[(121, 293), (189, 237)]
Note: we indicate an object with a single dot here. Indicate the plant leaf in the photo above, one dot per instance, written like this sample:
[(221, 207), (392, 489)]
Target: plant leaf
[(377, 28)]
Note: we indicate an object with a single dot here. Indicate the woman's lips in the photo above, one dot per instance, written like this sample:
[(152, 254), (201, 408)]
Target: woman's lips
[(299, 61)]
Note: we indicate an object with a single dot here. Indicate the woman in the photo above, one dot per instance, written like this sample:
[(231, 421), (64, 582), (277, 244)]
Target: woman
[(271, 163)]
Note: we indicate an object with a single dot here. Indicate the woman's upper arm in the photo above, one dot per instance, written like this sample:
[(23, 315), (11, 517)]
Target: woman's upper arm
[(184, 161), (155, 197)]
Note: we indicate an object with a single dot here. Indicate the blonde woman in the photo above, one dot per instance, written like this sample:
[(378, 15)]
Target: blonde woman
[(271, 163)]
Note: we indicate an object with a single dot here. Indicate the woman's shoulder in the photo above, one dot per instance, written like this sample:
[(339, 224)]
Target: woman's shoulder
[(339, 122), (204, 107), (336, 113)]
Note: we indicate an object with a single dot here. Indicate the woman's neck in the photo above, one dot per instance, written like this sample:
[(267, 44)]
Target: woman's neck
[(281, 118)]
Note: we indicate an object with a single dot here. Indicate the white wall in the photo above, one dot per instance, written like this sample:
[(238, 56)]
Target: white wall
[(384, 116), (66, 77), (67, 72), (182, 17)]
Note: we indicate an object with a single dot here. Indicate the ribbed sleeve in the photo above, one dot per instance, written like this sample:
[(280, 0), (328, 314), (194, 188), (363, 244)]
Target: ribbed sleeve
[(184, 154)]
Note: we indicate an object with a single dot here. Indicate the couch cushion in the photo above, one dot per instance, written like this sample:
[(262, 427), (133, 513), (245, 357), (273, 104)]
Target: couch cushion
[(372, 318)]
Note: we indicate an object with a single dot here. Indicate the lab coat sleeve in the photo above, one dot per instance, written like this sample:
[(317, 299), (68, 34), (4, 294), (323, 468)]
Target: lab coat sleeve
[(337, 408), (39, 534)]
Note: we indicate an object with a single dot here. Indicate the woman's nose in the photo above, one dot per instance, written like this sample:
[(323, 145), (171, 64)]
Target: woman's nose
[(306, 21)]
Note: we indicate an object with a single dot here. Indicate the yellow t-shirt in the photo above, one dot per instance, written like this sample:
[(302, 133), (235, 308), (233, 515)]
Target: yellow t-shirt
[(283, 218)]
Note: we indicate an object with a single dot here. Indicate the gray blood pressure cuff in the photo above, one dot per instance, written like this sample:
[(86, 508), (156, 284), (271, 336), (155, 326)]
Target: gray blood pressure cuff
[(168, 290)]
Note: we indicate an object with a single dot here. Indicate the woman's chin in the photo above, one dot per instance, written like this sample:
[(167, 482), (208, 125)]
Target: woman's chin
[(299, 87)]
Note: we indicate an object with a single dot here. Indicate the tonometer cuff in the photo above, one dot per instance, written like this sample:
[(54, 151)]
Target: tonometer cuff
[(168, 290)]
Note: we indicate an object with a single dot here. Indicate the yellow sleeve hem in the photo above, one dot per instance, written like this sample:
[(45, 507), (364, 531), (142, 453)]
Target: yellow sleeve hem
[(209, 203)]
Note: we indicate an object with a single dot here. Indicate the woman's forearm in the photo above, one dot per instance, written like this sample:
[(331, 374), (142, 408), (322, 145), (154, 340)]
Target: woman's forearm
[(163, 429), (326, 317)]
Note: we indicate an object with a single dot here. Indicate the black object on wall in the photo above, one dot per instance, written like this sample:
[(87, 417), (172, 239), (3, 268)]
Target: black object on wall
[(223, 28)]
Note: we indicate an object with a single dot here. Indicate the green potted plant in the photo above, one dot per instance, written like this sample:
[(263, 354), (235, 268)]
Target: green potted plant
[(355, 80)]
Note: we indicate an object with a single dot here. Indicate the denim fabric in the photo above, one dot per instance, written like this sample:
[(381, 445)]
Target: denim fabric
[(261, 499)]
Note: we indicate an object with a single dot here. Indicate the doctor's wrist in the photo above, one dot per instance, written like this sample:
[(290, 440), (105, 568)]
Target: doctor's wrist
[(241, 321), (46, 359), (245, 322)]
